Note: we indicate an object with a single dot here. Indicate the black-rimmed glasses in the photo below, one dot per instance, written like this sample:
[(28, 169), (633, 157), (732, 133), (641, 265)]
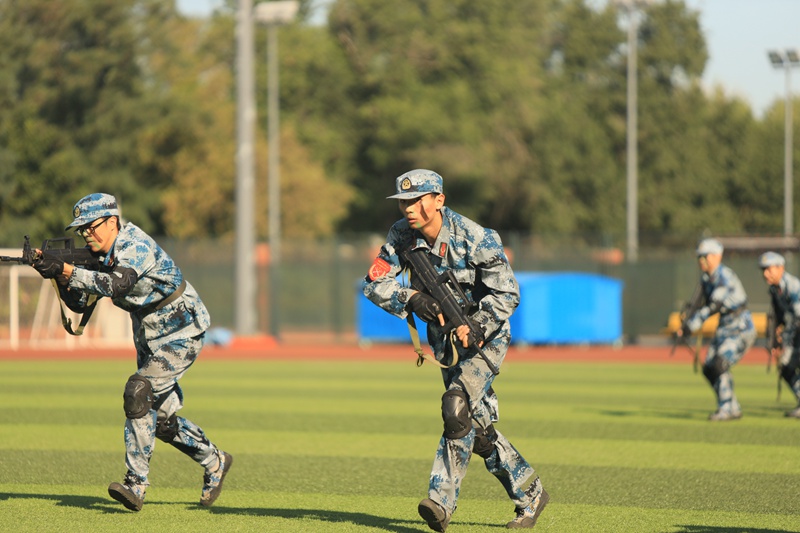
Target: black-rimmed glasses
[(85, 231)]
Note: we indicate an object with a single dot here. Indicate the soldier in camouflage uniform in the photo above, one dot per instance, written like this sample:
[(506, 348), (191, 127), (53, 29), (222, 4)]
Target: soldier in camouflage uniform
[(723, 293), (784, 290), (469, 406), (169, 323)]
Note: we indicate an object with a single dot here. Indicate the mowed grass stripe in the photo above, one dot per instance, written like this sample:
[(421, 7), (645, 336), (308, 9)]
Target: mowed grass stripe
[(633, 487), (775, 459), (606, 441), (171, 510)]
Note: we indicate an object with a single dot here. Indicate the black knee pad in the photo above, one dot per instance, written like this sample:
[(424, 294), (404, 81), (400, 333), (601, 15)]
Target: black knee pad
[(484, 441), (138, 397), (167, 428), (455, 414), (713, 371), (789, 373)]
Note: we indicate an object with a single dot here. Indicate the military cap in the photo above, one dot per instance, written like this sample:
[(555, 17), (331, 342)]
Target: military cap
[(769, 259), (709, 246), (416, 183), (91, 207)]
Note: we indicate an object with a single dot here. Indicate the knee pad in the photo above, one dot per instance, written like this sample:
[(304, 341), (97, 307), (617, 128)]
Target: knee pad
[(167, 428), (138, 397), (455, 414), (789, 373), (484, 441), (715, 369)]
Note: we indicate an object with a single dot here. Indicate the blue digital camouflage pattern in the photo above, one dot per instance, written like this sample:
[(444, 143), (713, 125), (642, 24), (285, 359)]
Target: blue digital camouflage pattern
[(167, 340), (785, 300), (724, 294), (476, 257), (91, 207), (769, 259), (416, 183)]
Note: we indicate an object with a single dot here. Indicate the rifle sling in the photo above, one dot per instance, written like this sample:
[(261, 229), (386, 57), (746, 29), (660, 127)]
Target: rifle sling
[(87, 313), (421, 355)]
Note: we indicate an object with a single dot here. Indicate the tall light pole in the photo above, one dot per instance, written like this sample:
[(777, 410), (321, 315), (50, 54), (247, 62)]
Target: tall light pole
[(786, 61), (632, 178), (245, 301), (274, 14)]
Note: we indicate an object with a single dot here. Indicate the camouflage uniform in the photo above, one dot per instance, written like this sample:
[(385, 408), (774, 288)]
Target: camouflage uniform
[(724, 294), (476, 257), (169, 322), (785, 301)]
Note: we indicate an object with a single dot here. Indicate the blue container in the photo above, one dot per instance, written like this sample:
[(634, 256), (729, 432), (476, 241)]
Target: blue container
[(376, 325), (567, 308), (555, 308)]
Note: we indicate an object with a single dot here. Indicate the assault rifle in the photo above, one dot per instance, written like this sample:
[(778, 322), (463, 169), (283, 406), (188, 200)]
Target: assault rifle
[(62, 248), (689, 309), (444, 288), (774, 341)]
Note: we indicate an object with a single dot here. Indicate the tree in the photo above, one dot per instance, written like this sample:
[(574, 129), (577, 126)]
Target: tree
[(447, 85)]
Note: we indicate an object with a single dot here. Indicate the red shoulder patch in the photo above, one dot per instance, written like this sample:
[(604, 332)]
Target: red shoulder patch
[(379, 269)]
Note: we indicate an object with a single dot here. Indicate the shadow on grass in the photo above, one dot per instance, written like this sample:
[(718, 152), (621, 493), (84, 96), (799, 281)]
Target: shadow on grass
[(719, 529), (679, 415), (323, 515), (106, 505)]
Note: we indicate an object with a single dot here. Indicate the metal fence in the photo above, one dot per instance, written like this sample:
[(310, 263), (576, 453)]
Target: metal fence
[(319, 281)]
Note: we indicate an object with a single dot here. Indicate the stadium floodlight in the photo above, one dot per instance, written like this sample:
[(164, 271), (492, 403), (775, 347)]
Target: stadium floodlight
[(786, 61), (274, 14)]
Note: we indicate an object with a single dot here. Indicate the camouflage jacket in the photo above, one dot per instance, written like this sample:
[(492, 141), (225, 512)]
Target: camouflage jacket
[(474, 254), (724, 294), (785, 300), (157, 277)]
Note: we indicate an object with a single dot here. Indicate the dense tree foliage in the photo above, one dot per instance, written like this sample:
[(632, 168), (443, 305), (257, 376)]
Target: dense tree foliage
[(521, 106)]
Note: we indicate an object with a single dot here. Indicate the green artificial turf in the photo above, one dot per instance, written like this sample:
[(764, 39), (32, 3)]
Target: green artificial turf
[(348, 446)]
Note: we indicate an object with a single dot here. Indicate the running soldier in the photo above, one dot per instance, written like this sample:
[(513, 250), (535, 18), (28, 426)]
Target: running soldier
[(784, 291), (469, 406), (723, 293), (169, 323)]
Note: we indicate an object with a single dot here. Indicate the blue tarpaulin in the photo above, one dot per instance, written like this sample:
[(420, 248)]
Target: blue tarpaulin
[(555, 308)]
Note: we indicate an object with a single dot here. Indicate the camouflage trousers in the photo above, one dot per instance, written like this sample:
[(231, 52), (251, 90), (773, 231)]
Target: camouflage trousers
[(453, 455), (729, 345), (790, 363), (163, 367)]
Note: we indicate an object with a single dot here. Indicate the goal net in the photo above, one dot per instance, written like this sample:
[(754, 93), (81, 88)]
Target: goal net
[(30, 315)]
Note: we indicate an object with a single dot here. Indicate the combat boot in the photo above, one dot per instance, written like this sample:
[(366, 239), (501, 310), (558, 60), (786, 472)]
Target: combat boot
[(722, 416), (526, 518), (434, 514), (212, 480), (129, 493), (794, 413)]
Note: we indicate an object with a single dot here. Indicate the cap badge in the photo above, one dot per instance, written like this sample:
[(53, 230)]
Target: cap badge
[(76, 212), (406, 185)]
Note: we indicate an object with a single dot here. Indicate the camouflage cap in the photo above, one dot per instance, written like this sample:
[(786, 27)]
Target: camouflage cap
[(769, 259), (709, 246), (417, 183), (91, 207)]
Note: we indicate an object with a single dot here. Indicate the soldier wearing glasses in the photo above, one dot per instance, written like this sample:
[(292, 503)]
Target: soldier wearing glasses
[(723, 293), (169, 323)]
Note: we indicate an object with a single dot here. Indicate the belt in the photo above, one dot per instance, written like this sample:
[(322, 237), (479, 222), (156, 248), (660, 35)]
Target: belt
[(736, 312), (172, 297)]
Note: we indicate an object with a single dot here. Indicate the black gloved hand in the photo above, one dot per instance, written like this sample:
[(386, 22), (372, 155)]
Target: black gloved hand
[(425, 307), (49, 267)]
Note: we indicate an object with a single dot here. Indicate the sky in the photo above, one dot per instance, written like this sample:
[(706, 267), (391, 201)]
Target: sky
[(738, 35)]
